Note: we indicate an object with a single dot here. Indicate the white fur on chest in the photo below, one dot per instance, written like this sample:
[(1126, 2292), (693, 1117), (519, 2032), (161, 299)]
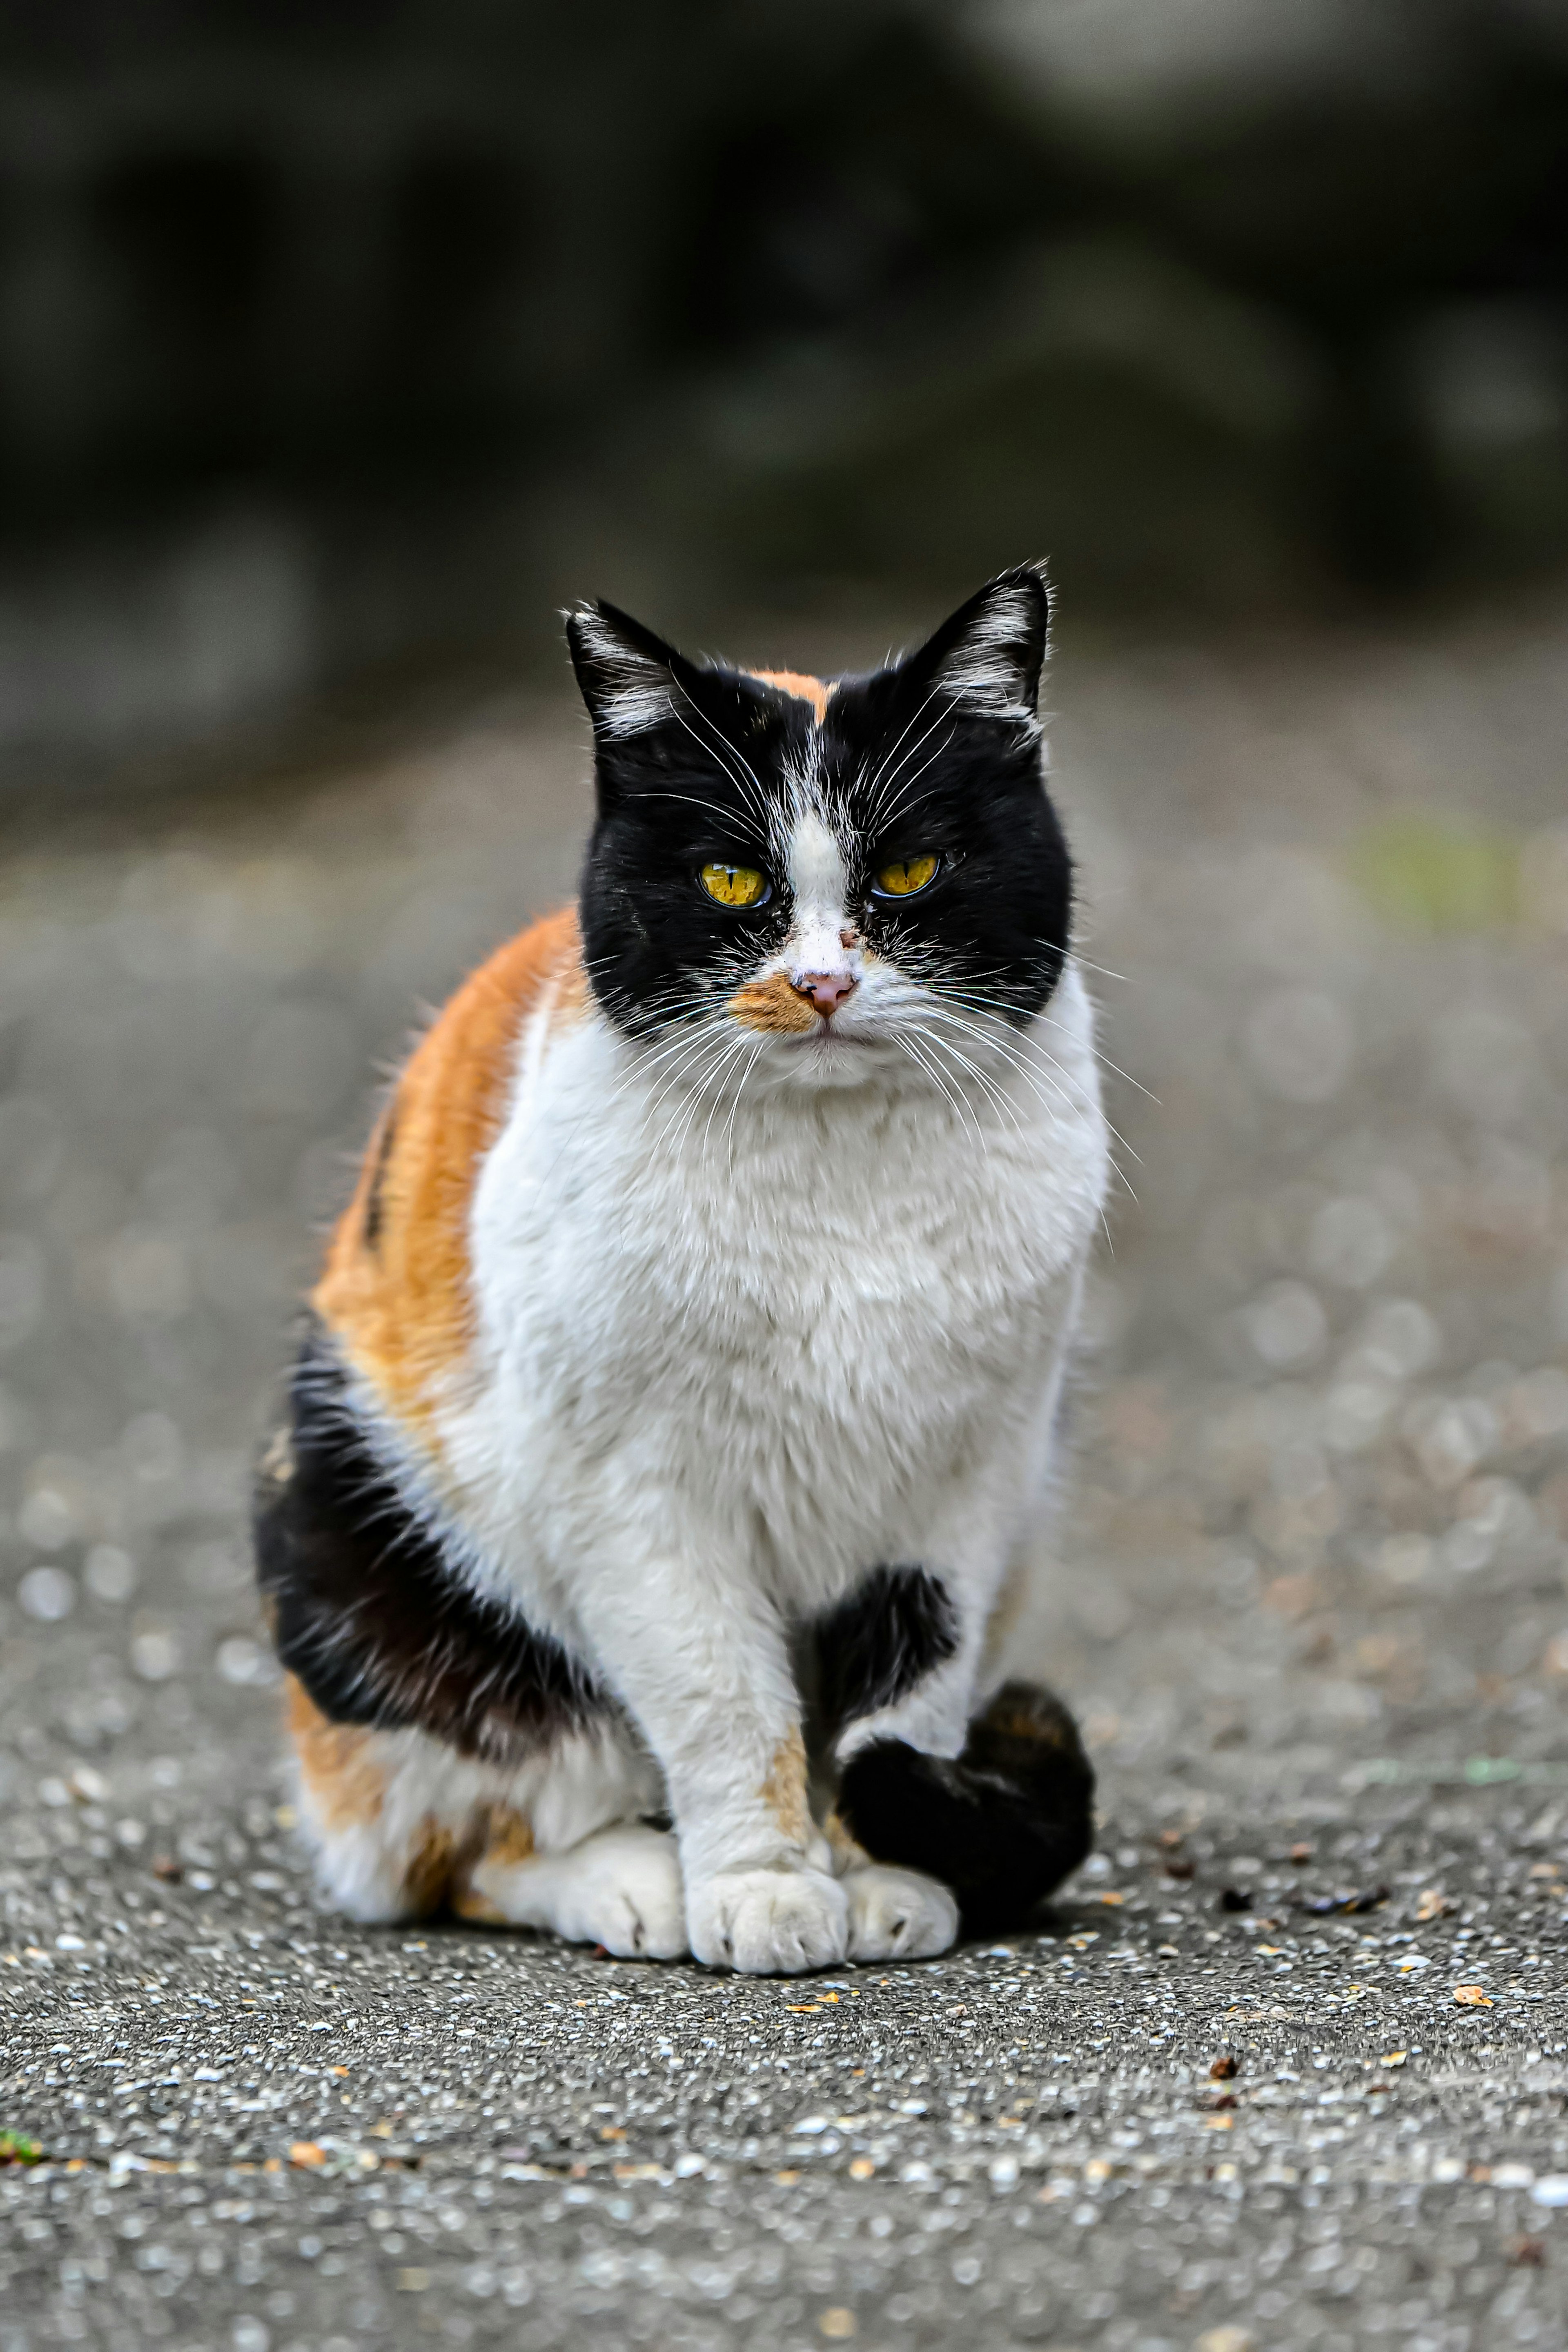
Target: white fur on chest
[(789, 1332)]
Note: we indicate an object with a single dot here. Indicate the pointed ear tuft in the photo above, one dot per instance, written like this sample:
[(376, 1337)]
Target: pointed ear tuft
[(990, 653), (625, 671)]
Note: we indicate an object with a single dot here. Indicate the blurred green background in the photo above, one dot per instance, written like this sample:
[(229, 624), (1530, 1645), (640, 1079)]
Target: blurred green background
[(347, 341)]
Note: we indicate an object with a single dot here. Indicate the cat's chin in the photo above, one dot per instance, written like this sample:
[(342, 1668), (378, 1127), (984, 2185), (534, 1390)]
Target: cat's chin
[(837, 1060)]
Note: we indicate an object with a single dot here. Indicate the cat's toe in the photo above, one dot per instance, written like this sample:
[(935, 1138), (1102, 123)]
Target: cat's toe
[(898, 1914), (769, 1922), (642, 1925)]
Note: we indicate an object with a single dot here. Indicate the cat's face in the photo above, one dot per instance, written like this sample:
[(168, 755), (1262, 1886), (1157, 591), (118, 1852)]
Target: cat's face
[(831, 878)]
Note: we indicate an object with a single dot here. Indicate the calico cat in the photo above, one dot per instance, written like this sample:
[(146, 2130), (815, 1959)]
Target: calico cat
[(678, 1397)]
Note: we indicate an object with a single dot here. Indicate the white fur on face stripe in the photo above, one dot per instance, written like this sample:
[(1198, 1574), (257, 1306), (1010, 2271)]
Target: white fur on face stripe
[(636, 692), (988, 666), (820, 881), (816, 870)]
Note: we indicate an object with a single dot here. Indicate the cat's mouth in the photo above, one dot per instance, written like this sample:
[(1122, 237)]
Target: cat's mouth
[(832, 1031), (835, 1050)]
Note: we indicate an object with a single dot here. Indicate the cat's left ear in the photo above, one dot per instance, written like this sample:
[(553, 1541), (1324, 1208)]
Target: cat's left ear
[(626, 674), (990, 653)]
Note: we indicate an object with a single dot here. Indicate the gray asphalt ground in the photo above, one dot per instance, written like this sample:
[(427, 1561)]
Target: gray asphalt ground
[(1288, 2063)]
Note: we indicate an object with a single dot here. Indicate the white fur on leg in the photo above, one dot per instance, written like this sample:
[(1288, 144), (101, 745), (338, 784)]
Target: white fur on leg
[(898, 1914), (620, 1888)]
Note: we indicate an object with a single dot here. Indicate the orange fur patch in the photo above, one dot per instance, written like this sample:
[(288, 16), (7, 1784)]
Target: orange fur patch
[(1019, 1724), (508, 1841), (772, 1004), (475, 1908), (343, 1780), (395, 1291), (847, 1851), (511, 1838), (1005, 1611), (784, 1790), (796, 682), (427, 1879)]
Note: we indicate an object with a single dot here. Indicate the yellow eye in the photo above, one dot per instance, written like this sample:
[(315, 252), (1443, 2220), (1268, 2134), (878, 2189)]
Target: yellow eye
[(735, 886), (905, 876)]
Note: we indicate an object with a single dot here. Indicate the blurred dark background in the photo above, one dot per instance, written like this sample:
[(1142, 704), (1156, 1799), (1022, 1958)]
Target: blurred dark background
[(340, 340)]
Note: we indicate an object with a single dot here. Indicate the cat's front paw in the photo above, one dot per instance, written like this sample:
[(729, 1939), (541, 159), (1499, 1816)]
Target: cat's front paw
[(625, 1893), (769, 1922), (898, 1914), (620, 1888)]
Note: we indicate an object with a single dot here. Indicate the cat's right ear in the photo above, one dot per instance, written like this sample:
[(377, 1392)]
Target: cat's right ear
[(626, 674)]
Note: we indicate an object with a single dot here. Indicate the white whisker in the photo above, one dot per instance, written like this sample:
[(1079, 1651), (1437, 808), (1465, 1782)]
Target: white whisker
[(893, 752), (905, 802), (875, 818), (955, 1098), (1012, 1048), (982, 1004), (739, 1046), (751, 792), (757, 1045), (981, 1078), (742, 825)]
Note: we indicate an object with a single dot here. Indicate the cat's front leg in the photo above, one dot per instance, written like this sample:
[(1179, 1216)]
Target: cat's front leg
[(702, 1663)]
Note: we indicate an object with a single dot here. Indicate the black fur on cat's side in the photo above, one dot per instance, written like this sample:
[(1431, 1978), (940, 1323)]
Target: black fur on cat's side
[(1001, 1825), (705, 765), (368, 1614)]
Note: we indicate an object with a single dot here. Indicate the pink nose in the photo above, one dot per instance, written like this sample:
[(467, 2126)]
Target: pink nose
[(826, 990)]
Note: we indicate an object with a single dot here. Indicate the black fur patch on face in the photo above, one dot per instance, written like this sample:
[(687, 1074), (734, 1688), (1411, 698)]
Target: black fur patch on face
[(938, 754), (701, 784), (965, 785), (1002, 1827), (878, 1642), (369, 1616)]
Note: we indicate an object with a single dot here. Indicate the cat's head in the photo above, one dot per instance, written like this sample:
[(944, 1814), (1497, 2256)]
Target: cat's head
[(831, 872)]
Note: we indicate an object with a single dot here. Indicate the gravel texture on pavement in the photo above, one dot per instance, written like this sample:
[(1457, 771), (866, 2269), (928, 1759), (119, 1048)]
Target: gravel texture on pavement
[(1288, 2062)]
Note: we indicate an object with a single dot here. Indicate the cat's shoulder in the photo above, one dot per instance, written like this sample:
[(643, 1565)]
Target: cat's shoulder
[(395, 1291)]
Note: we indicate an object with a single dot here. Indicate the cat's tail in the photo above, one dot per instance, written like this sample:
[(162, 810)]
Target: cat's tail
[(1001, 1825)]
